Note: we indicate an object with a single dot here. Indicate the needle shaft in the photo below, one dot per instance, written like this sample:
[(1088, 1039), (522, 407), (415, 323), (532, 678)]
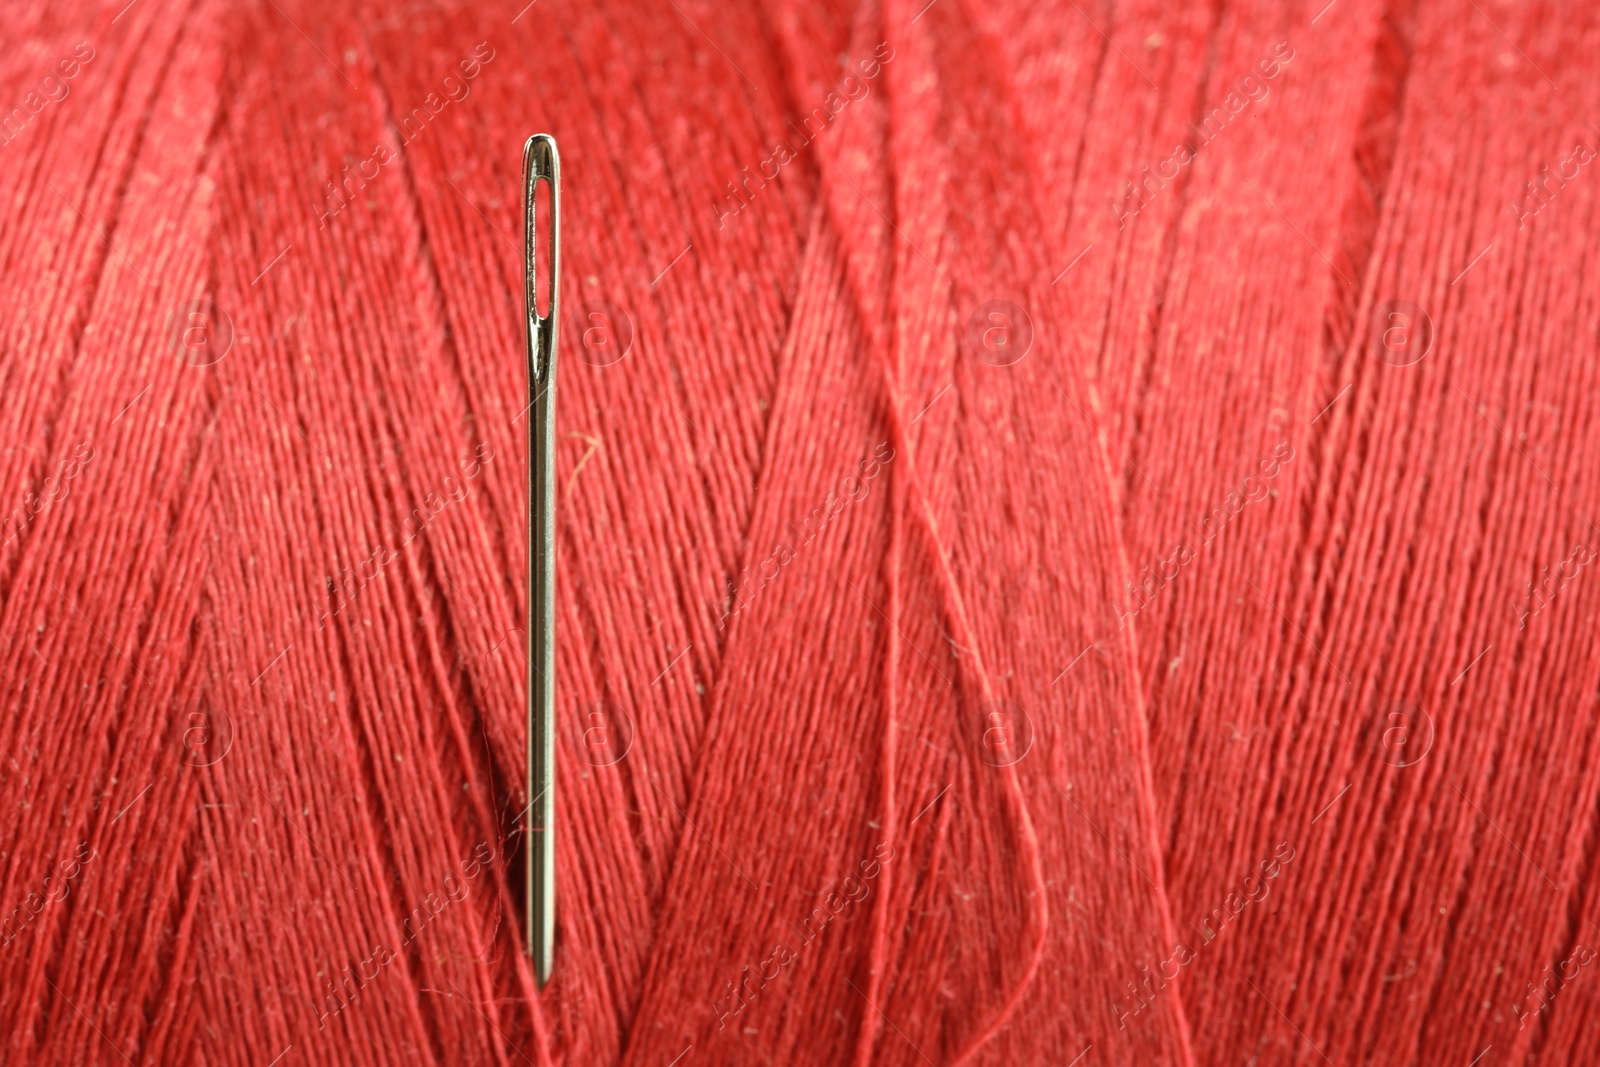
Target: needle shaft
[(540, 162)]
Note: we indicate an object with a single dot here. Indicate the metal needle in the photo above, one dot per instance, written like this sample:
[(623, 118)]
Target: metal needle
[(541, 162)]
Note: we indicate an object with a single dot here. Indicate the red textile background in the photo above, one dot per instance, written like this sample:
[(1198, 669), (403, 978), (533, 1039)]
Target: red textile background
[(1074, 536)]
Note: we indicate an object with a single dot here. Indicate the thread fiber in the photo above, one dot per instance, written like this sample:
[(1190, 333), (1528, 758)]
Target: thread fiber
[(1075, 533)]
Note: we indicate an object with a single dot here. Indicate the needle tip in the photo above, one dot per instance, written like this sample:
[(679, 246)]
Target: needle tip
[(541, 966)]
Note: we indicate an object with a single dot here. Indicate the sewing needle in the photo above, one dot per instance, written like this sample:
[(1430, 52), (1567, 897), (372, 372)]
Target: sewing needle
[(540, 162)]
